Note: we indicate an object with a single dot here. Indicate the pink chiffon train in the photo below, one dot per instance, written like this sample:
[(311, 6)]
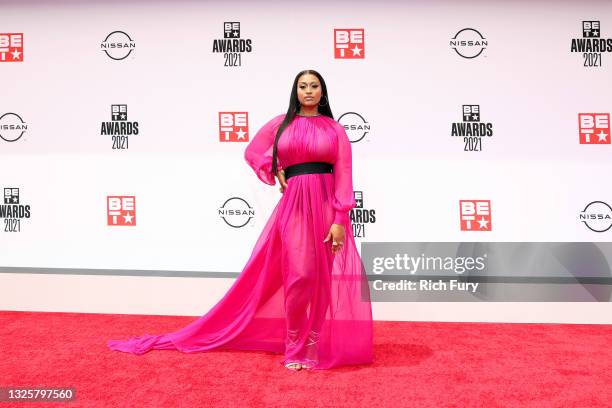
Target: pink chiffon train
[(294, 296)]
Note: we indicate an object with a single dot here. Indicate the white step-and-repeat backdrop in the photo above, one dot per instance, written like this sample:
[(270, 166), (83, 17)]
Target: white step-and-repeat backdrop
[(123, 127)]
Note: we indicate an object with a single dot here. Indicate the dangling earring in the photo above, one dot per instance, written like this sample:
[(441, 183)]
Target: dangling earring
[(326, 101)]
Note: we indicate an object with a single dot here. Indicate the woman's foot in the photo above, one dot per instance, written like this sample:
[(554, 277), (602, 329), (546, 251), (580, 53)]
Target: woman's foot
[(293, 366)]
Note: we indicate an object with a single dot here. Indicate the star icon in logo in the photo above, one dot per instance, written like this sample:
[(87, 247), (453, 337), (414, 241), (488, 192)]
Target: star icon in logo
[(603, 136), (484, 224), (241, 134)]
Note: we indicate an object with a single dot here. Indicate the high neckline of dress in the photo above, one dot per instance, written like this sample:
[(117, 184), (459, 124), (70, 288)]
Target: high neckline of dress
[(308, 116)]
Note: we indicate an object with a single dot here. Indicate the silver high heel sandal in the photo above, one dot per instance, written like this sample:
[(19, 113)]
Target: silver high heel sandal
[(292, 339), (294, 366), (313, 339)]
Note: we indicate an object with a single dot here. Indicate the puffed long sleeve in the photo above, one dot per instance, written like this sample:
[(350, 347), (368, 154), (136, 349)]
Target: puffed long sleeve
[(344, 198), (258, 153)]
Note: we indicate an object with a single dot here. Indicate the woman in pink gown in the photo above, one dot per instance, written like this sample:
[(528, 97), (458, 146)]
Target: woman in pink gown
[(303, 292)]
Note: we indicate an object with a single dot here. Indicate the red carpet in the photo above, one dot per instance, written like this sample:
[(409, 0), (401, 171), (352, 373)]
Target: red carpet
[(416, 365)]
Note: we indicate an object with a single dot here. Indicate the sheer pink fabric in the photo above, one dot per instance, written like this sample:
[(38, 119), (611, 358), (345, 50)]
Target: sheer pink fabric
[(293, 295)]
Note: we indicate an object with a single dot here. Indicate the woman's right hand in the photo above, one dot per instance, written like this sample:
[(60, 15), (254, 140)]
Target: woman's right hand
[(280, 175)]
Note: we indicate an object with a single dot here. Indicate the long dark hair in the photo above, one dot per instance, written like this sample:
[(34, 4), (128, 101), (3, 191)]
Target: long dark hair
[(294, 108)]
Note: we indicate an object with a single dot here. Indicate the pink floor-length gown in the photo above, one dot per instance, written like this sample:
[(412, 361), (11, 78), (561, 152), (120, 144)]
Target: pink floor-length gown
[(294, 296)]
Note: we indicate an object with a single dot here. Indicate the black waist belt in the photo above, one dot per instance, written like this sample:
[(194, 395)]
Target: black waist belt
[(308, 168)]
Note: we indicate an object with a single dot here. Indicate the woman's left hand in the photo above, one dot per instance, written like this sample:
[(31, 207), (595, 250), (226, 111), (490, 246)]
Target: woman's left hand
[(336, 233), (280, 175)]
